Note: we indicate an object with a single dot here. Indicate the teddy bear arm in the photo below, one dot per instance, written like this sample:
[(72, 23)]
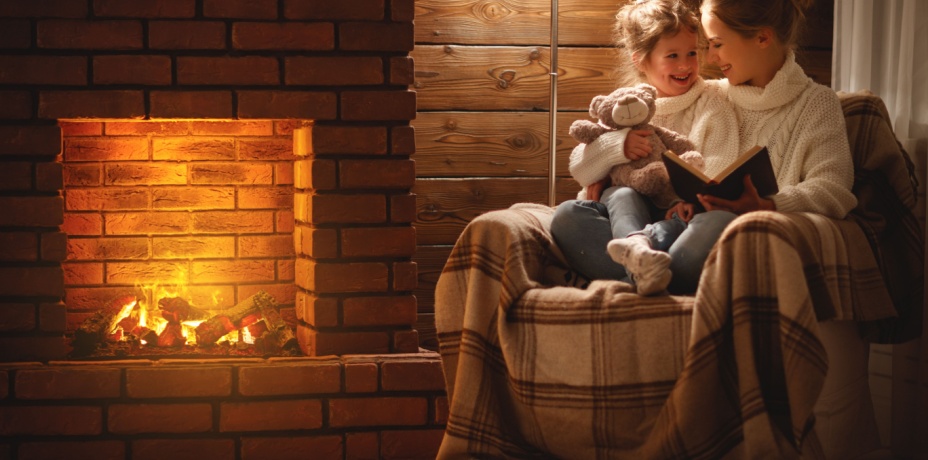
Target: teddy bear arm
[(585, 131), (694, 158), (674, 140)]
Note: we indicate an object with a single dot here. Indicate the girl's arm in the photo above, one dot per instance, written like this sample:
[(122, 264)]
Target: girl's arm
[(610, 149), (589, 163)]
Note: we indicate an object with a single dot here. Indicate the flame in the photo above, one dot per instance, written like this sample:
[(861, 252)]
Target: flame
[(146, 309), (124, 312)]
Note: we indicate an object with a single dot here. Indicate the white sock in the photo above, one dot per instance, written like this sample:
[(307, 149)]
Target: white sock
[(648, 268)]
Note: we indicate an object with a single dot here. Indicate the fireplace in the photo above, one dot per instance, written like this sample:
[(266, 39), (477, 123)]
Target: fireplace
[(218, 150), (172, 225)]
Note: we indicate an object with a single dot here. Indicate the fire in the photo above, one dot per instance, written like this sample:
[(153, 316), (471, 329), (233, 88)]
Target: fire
[(161, 315)]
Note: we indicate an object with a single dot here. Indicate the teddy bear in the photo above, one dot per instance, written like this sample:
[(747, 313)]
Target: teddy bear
[(633, 107)]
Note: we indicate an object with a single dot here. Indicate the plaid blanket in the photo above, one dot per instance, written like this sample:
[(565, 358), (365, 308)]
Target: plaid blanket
[(886, 188), (534, 368)]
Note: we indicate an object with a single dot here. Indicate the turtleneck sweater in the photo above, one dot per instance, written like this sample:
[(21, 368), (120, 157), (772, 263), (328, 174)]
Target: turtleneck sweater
[(703, 114), (803, 127), (799, 121)]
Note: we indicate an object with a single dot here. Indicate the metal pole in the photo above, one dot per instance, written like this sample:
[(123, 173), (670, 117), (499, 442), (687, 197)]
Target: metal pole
[(552, 112)]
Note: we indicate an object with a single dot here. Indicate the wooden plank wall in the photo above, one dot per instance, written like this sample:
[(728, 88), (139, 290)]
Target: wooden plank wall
[(482, 82)]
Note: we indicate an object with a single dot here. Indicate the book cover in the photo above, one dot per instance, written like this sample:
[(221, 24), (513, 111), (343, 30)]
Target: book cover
[(687, 181)]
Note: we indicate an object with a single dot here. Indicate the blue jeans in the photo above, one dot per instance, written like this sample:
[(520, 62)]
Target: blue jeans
[(583, 228)]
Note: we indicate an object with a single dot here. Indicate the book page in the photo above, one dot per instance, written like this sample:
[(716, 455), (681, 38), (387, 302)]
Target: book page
[(737, 163), (676, 159)]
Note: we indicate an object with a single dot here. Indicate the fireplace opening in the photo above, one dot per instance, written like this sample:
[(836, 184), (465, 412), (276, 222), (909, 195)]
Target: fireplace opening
[(180, 237)]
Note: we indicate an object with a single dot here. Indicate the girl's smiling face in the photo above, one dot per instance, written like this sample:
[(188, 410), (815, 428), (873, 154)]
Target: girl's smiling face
[(672, 66)]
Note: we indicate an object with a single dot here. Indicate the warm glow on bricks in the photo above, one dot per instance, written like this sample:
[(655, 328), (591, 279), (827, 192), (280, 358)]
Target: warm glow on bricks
[(204, 206)]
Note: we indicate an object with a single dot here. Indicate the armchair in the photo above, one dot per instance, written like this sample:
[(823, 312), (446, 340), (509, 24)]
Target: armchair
[(767, 359)]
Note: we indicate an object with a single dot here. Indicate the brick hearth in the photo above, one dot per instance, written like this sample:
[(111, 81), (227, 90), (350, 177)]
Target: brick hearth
[(353, 407), (329, 78)]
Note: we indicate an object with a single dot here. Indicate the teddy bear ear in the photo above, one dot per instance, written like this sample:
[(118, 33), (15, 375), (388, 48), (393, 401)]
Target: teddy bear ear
[(648, 88), (595, 104)]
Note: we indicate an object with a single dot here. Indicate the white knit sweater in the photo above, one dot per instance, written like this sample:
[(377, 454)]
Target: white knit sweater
[(799, 121), (703, 114), (803, 127)]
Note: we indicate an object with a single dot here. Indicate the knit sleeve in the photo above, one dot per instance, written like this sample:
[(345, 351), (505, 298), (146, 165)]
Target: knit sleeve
[(821, 171), (715, 131), (591, 162)]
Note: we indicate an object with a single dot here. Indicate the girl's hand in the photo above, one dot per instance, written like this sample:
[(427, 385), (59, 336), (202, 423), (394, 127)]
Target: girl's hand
[(594, 191), (683, 210), (749, 201), (637, 145)]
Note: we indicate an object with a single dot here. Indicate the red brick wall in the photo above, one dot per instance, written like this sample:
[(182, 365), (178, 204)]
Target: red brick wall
[(391, 406), (341, 67)]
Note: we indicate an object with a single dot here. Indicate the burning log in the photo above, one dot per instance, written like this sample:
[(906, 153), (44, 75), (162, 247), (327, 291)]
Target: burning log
[(279, 336), (246, 313), (96, 328), (257, 329), (91, 332), (128, 324), (176, 310), (148, 336), (172, 336)]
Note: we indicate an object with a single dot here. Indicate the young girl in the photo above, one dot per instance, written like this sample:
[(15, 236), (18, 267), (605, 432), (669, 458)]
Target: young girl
[(658, 41)]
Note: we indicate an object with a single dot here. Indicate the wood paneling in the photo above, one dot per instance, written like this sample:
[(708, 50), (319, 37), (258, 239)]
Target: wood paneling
[(481, 144), (514, 22), (445, 206), (454, 77), (482, 81)]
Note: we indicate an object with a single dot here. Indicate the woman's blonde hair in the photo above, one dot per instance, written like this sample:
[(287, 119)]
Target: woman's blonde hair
[(746, 17), (639, 25)]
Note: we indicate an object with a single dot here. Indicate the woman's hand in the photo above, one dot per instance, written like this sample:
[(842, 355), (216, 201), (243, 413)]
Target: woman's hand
[(637, 145), (749, 201), (682, 209)]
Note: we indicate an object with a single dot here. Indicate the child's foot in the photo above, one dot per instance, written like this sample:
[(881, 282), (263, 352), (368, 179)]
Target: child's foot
[(649, 269)]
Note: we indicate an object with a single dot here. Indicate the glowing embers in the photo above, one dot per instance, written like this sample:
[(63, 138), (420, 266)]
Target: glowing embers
[(128, 326)]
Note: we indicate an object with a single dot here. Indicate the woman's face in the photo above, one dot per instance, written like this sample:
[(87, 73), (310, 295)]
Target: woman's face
[(734, 54), (672, 66)]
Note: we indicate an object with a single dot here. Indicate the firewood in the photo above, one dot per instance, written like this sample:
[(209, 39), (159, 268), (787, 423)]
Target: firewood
[(91, 332), (149, 336), (172, 336), (245, 313), (257, 329), (128, 323), (279, 336), (177, 309)]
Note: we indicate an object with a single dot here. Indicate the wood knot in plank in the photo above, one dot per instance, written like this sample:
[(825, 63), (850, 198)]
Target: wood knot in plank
[(492, 11), (505, 78)]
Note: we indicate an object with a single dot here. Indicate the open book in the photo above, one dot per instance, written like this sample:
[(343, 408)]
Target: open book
[(687, 181)]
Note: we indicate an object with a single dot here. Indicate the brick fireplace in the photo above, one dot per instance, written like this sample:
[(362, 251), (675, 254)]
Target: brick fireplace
[(229, 146)]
